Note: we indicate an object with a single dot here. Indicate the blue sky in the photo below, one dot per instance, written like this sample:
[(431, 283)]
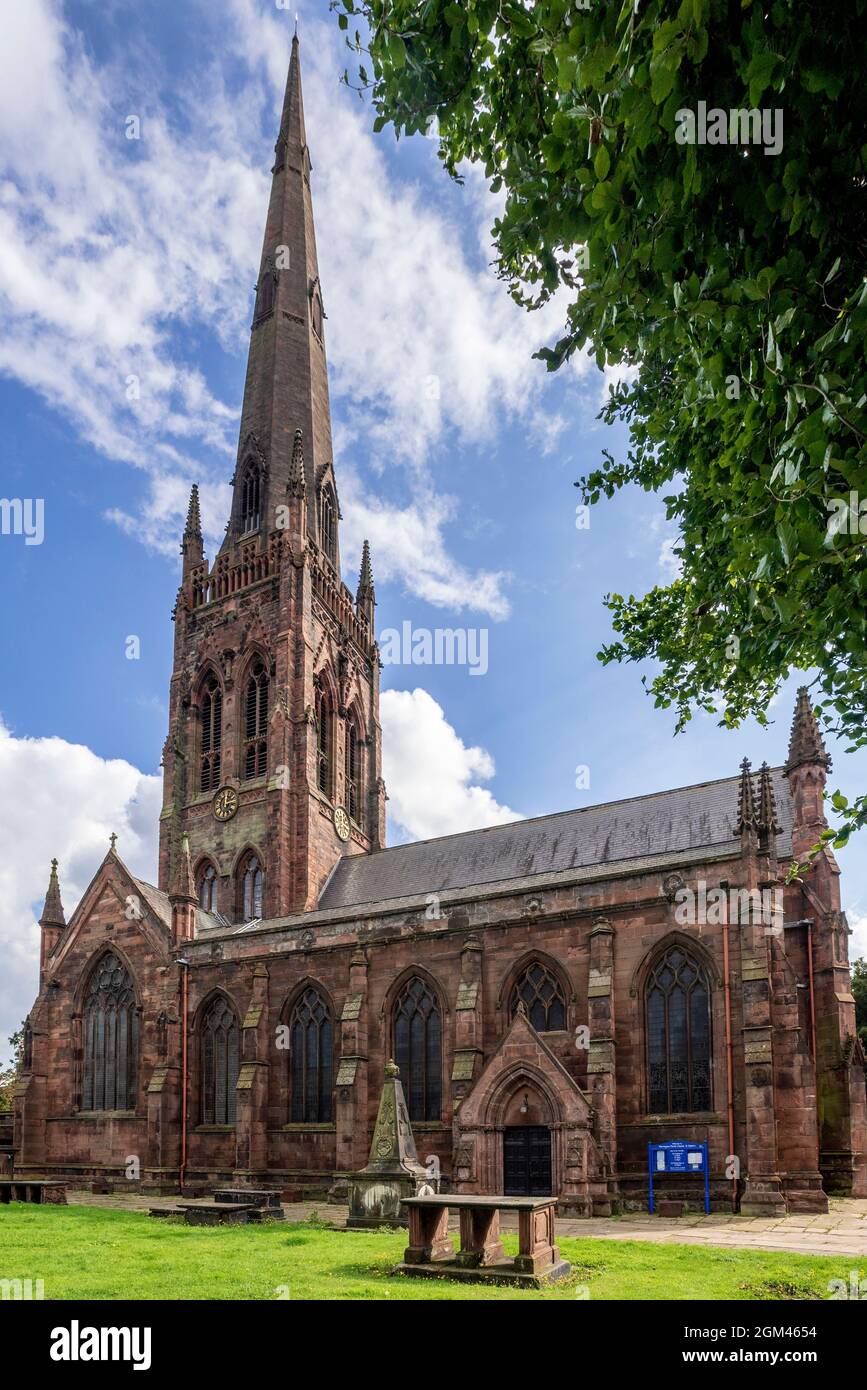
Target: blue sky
[(126, 268)]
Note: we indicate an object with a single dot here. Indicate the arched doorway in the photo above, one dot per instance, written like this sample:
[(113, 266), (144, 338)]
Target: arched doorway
[(527, 1165)]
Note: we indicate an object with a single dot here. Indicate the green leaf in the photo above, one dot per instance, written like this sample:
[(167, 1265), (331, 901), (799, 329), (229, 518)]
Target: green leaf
[(602, 162)]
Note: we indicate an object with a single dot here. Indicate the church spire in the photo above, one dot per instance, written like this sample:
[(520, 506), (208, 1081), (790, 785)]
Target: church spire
[(286, 387)]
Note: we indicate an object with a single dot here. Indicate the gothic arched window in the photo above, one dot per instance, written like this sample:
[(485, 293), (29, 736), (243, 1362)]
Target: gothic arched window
[(27, 1047), (256, 722), (418, 1048), (328, 522), (542, 996), (212, 736), (353, 773), (111, 1029), (208, 888), (310, 1042), (677, 1018), (252, 889), (220, 1036), (324, 743), (250, 499)]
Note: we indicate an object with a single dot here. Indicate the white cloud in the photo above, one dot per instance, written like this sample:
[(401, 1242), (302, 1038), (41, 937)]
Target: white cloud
[(408, 546), (858, 940), (67, 802), (431, 776), (669, 563)]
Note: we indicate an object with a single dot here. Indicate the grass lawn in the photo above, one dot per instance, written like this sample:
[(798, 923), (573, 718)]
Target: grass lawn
[(91, 1252)]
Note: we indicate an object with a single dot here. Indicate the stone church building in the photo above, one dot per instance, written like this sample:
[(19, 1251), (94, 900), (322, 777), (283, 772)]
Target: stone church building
[(551, 998)]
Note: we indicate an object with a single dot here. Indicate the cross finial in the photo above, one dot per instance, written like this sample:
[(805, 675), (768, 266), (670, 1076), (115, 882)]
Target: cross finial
[(112, 841)]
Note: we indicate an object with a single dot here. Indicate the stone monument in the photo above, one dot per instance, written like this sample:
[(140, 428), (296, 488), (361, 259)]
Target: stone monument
[(393, 1170)]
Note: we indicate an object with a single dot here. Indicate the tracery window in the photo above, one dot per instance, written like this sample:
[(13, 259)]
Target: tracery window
[(111, 1038), (256, 723), (252, 889), (327, 522), (541, 993), (310, 1040), (208, 881), (417, 1027), (211, 736), (265, 293), (677, 1016), (219, 1047), (354, 799), (324, 743)]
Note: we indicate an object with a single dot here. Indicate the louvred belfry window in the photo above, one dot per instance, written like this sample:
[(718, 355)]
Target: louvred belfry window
[(250, 499), (353, 773), (677, 1014), (323, 743), (311, 1059), (253, 889), (542, 996), (220, 1035), (111, 1038), (418, 1048), (327, 522), (256, 723), (212, 736), (265, 293)]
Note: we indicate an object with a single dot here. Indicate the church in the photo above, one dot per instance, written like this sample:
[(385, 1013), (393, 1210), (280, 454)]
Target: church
[(551, 1001)]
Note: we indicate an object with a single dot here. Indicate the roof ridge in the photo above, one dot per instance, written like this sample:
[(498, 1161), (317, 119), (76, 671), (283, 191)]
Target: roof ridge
[(571, 811)]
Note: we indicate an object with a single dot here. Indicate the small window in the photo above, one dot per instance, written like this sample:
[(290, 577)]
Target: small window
[(256, 723), (316, 313), (208, 889), (250, 499), (542, 996), (211, 736), (252, 889), (265, 294)]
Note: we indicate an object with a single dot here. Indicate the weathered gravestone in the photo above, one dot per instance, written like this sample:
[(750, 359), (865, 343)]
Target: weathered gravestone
[(393, 1170)]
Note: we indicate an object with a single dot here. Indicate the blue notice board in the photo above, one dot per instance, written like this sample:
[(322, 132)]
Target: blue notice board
[(677, 1156)]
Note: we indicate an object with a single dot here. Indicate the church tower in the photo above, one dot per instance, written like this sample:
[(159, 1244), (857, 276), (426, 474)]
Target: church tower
[(272, 765)]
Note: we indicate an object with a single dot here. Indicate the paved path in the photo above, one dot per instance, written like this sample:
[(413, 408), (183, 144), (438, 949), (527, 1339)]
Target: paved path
[(843, 1231)]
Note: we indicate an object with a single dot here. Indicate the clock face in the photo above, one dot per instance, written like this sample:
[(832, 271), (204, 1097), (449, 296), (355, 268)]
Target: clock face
[(341, 822), (225, 804)]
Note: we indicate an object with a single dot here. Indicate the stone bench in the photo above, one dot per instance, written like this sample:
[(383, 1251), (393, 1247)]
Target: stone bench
[(26, 1190), (431, 1252)]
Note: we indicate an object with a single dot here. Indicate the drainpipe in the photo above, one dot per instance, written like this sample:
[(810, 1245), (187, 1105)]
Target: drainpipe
[(185, 967), (808, 923), (729, 1057)]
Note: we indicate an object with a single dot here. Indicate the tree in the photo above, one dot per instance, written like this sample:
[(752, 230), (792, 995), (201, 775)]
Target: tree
[(729, 277), (859, 990), (9, 1074)]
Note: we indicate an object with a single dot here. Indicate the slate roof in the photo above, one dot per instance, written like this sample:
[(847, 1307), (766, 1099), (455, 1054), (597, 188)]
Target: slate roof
[(702, 817)]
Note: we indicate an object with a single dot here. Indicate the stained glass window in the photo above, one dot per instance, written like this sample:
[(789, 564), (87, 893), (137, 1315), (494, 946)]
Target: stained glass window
[(418, 1048), (677, 1013), (111, 1035), (310, 1036)]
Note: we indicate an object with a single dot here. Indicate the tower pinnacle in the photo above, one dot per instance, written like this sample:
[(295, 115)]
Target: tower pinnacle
[(806, 744), (52, 913), (746, 800)]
